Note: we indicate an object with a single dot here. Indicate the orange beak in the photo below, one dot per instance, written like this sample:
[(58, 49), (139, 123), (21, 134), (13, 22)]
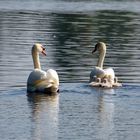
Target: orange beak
[(43, 51)]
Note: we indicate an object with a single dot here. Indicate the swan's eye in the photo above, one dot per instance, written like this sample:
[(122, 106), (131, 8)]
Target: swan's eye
[(43, 49)]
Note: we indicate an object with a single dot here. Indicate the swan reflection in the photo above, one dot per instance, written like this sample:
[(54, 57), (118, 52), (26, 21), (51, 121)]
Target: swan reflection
[(44, 115), (106, 113)]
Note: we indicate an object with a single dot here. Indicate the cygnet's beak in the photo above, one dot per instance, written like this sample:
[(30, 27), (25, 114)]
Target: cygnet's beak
[(43, 51)]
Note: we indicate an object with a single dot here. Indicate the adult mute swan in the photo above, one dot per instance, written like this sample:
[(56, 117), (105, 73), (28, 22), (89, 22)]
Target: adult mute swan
[(39, 80), (99, 76)]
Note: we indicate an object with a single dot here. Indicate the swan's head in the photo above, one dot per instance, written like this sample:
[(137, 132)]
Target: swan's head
[(100, 46), (38, 48)]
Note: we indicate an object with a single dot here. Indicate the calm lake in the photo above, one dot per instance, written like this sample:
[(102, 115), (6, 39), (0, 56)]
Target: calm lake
[(69, 29)]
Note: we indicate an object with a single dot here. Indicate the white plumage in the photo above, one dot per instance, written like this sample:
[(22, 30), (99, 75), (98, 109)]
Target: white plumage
[(39, 80), (99, 76)]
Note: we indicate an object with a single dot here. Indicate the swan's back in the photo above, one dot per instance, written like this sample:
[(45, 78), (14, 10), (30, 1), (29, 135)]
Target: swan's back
[(96, 72), (42, 81), (110, 72), (52, 76), (35, 75), (52, 81)]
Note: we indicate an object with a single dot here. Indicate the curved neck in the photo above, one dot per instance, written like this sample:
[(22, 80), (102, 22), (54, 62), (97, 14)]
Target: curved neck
[(36, 60), (101, 58)]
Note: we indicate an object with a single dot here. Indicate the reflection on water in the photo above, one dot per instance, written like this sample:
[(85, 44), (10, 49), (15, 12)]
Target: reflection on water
[(45, 111), (88, 114), (69, 30), (79, 112), (106, 114)]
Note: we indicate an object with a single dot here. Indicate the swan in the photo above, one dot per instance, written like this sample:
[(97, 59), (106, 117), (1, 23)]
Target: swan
[(102, 77), (39, 80)]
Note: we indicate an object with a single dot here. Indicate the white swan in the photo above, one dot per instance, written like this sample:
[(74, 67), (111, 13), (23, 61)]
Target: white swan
[(39, 80), (99, 76)]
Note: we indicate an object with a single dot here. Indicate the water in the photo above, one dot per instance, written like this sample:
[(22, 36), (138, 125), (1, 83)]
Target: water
[(69, 30)]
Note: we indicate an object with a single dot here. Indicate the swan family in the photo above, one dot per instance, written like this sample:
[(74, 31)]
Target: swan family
[(100, 77), (48, 81)]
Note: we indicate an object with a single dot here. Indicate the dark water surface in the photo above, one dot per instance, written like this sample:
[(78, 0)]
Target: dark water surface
[(69, 30)]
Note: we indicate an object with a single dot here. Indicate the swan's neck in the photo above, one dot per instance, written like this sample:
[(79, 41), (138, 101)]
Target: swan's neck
[(101, 58), (36, 60)]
